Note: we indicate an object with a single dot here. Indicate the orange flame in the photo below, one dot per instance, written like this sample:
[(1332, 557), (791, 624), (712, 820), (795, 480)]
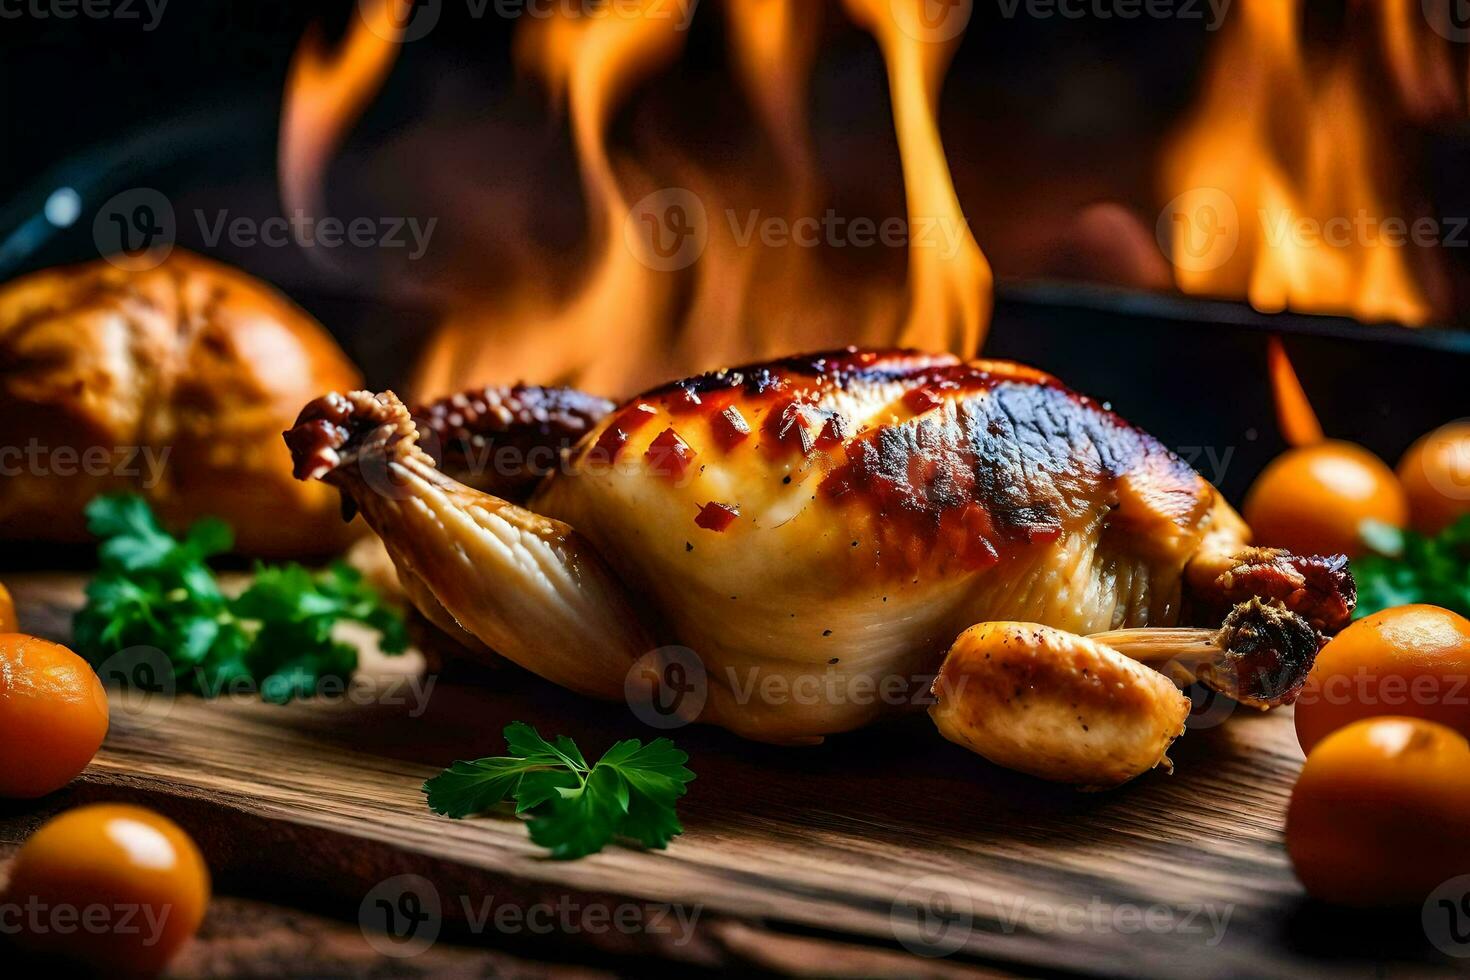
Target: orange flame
[(1294, 414), (327, 91), (1277, 174), (774, 45), (1419, 61), (949, 294), (683, 279), (603, 336)]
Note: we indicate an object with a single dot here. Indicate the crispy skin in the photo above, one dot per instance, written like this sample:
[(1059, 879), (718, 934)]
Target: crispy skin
[(1268, 653), (1317, 587), (488, 572), (1055, 705), (192, 366), (966, 460), (504, 439), (884, 501), (826, 523)]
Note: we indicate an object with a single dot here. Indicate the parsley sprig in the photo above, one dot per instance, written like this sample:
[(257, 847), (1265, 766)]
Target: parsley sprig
[(575, 809), (1407, 567), (276, 637)]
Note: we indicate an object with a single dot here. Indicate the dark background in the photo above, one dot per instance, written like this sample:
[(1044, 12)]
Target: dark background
[(73, 84), (1055, 113)]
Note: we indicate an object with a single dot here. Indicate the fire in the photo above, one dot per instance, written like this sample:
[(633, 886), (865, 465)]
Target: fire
[(774, 45), (1419, 61), (1294, 413), (1278, 175), (949, 294), (327, 91), (694, 264)]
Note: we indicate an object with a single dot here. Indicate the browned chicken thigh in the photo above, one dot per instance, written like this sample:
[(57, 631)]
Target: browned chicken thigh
[(842, 516)]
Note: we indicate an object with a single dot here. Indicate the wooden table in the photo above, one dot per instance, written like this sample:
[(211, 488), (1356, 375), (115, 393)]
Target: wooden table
[(887, 852)]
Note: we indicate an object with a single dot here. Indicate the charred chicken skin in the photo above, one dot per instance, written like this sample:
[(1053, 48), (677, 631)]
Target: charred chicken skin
[(840, 516)]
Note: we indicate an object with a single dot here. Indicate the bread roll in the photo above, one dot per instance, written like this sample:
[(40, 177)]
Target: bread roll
[(174, 382)]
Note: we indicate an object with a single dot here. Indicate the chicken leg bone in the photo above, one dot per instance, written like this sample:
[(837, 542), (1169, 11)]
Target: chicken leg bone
[(526, 586), (1099, 710), (1260, 655)]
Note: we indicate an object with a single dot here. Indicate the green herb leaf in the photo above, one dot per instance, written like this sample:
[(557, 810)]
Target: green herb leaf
[(524, 741), (467, 788), (656, 778), (1406, 567), (583, 821), (575, 809), (153, 589), (543, 785)]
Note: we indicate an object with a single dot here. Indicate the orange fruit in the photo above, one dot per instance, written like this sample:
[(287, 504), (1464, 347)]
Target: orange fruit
[(110, 887), (1412, 661), (1314, 499), (1378, 816), (53, 715), (8, 622), (1435, 472)]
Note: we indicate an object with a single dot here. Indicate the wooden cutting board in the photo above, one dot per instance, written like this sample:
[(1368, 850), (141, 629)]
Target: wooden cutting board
[(888, 851)]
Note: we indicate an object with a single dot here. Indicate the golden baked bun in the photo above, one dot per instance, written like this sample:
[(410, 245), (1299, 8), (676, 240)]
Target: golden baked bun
[(174, 382)]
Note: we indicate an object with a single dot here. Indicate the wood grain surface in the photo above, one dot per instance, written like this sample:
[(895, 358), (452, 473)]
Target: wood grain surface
[(887, 852)]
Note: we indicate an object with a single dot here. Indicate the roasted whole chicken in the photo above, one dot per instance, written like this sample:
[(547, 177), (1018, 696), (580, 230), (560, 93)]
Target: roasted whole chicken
[(841, 516)]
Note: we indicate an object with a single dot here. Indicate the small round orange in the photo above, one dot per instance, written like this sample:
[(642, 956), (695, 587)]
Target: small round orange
[(1435, 472), (1314, 499), (1378, 815), (1410, 660), (53, 715), (110, 887), (8, 622)]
